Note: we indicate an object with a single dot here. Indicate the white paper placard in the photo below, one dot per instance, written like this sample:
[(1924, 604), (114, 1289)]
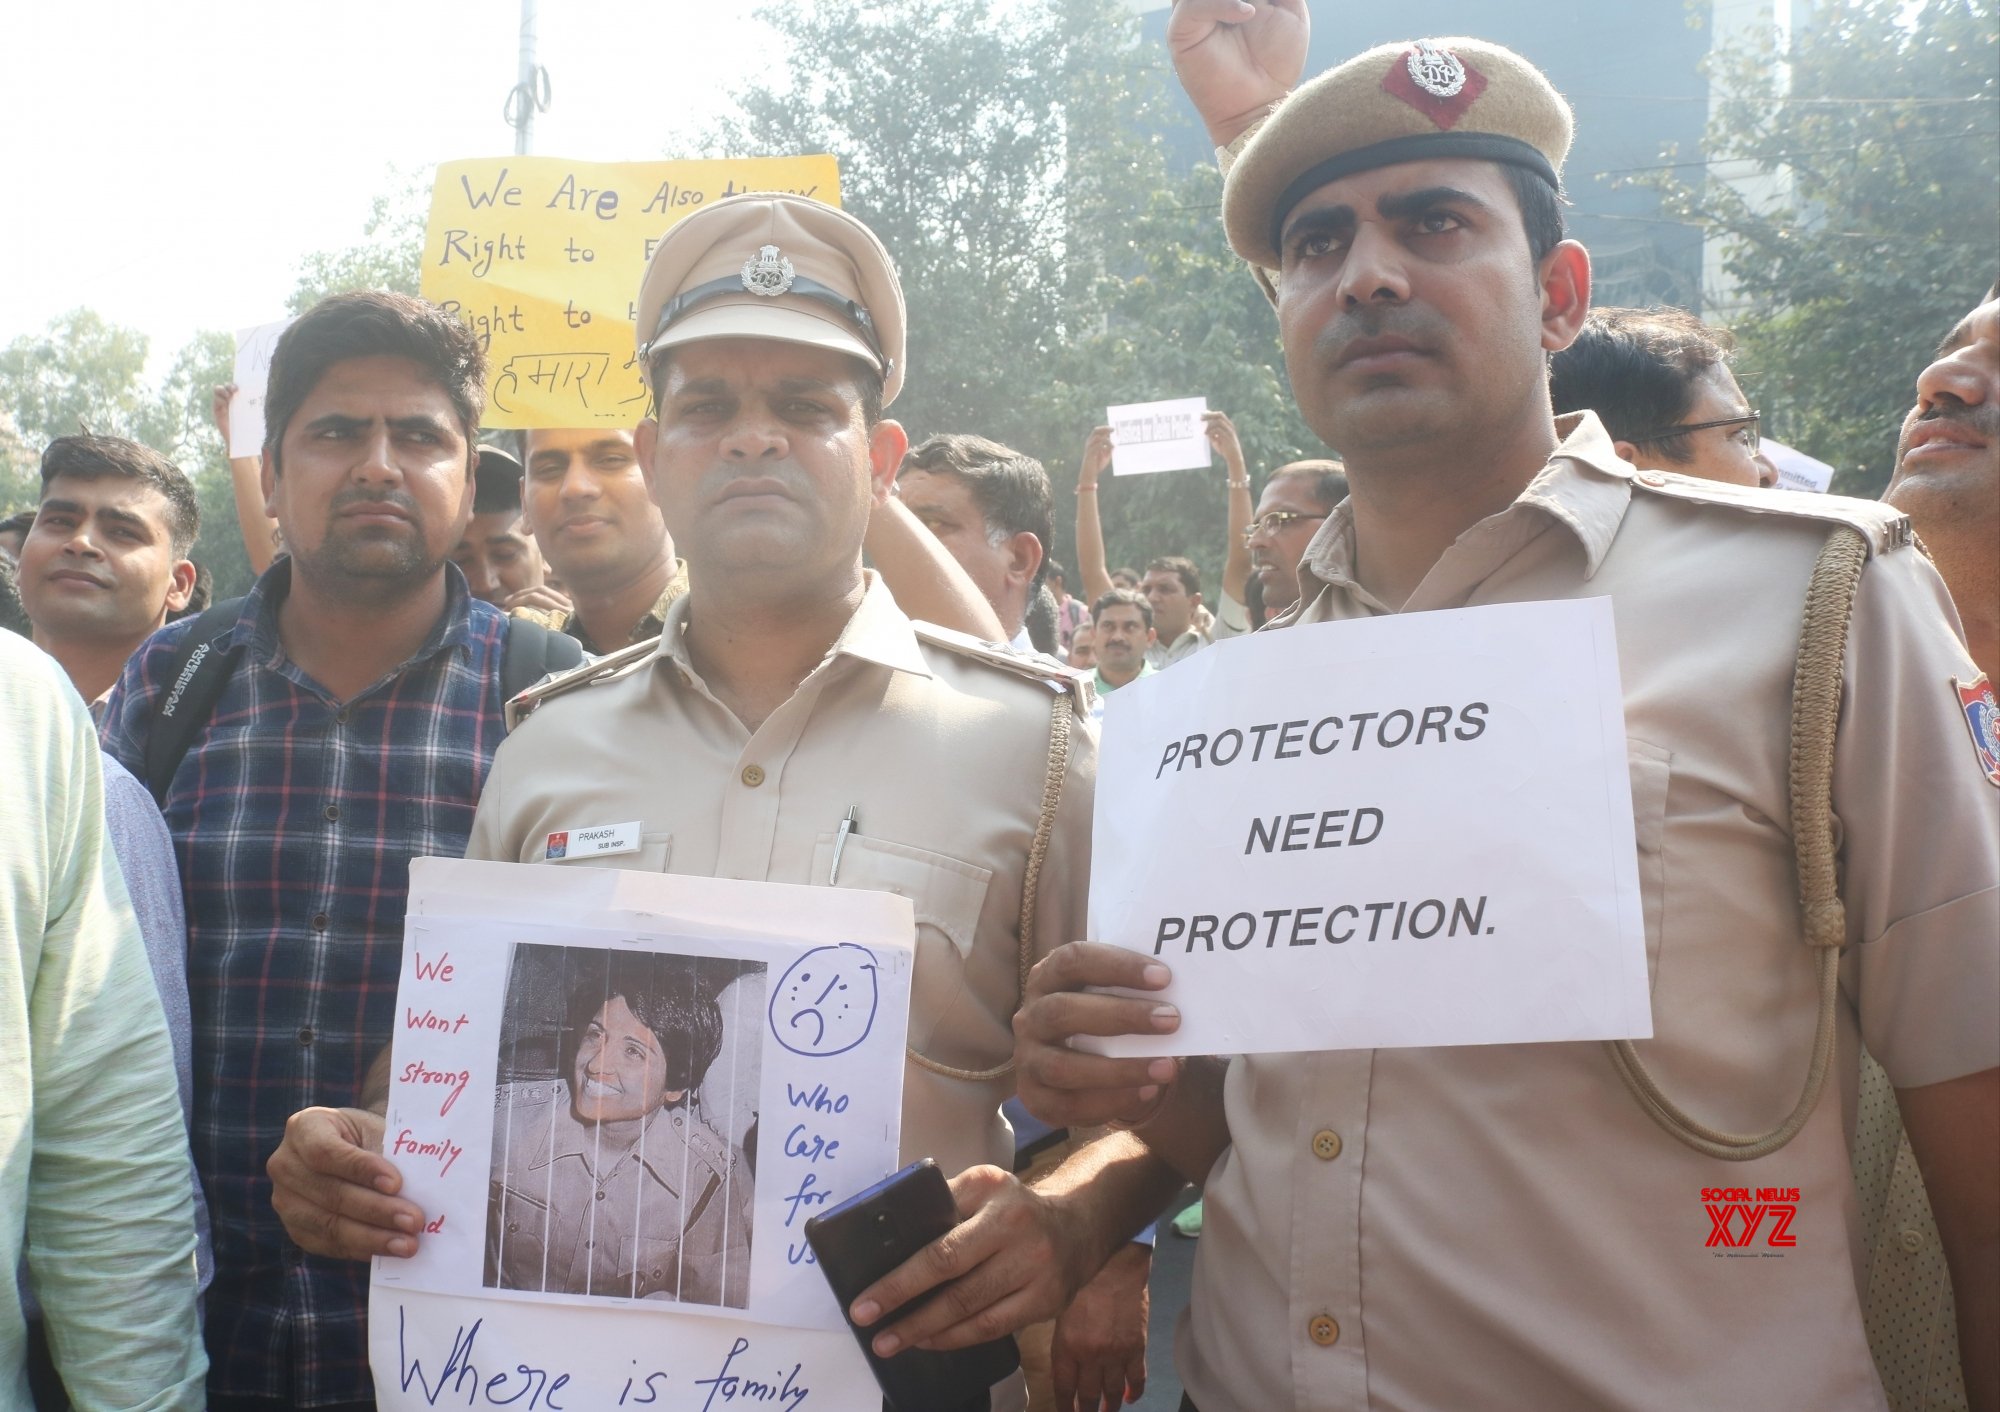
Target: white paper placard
[(1158, 436), (1405, 830), (489, 1124), (1796, 470), (254, 347)]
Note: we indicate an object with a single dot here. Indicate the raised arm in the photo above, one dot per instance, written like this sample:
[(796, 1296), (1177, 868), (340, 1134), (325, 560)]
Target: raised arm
[(1236, 58), (260, 531), (1091, 572), (925, 580), (1236, 567)]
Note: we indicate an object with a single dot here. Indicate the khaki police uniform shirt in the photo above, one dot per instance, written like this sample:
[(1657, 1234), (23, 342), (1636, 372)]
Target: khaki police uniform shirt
[(943, 752), (668, 1217), (647, 627), (1501, 1227)]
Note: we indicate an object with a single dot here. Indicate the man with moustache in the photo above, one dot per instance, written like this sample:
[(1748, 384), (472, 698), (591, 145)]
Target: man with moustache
[(789, 692), (357, 710), (105, 563), (1514, 1204), (1947, 479), (586, 499), (1123, 622)]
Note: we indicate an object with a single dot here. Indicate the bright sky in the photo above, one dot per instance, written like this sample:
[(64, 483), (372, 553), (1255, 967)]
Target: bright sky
[(170, 164)]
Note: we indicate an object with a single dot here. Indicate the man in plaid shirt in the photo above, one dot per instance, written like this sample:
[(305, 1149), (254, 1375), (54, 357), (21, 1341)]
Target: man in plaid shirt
[(353, 734)]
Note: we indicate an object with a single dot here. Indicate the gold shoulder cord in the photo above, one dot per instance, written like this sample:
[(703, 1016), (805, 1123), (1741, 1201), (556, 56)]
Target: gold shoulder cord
[(1816, 682), (1031, 881)]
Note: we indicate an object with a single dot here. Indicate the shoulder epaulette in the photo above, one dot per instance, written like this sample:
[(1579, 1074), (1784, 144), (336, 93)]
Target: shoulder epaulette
[(591, 673), (1032, 666), (548, 618), (1884, 527)]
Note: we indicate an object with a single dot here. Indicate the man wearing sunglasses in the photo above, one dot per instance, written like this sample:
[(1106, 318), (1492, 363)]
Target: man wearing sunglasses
[(1659, 380)]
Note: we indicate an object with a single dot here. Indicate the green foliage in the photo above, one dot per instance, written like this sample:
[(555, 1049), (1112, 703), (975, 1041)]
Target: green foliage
[(1051, 263), (1890, 138), (83, 371)]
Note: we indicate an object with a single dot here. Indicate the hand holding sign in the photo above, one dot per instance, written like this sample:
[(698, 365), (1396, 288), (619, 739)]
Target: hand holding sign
[(1158, 436), (1418, 831)]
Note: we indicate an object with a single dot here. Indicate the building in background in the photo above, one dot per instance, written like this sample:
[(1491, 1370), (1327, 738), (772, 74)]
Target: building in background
[(1634, 74)]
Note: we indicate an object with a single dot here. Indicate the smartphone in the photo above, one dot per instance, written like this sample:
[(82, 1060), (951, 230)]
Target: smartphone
[(870, 1234)]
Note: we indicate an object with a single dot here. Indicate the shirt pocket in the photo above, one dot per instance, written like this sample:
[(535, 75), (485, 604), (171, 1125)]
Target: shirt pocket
[(946, 894), (1651, 769), (517, 1240)]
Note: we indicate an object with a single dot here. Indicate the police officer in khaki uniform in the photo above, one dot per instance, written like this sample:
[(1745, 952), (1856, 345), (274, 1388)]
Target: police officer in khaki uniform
[(611, 1181), (793, 725), (1507, 1226)]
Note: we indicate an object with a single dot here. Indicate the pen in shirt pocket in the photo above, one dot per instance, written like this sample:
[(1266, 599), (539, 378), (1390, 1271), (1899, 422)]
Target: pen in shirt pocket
[(847, 826)]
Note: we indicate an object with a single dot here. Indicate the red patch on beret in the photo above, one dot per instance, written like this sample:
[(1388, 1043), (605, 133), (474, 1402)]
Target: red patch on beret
[(1444, 112)]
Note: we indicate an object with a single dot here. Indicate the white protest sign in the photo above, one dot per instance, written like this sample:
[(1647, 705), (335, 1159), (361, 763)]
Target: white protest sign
[(254, 347), (617, 1097), (1796, 470), (1405, 830), (1158, 436)]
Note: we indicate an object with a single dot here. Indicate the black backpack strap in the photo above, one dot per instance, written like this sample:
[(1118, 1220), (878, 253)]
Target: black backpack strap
[(532, 652), (200, 672)]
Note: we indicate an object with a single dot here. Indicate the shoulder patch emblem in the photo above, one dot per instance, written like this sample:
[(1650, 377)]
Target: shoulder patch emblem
[(1982, 718)]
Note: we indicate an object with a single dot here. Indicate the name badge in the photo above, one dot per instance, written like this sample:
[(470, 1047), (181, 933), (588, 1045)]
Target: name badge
[(597, 841)]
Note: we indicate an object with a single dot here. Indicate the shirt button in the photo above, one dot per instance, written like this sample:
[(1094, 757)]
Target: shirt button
[(319, 921), (1326, 1144), (753, 775), (1652, 480), (1913, 1241), (332, 812), (1323, 1330), (305, 1035), (340, 716), (600, 1196)]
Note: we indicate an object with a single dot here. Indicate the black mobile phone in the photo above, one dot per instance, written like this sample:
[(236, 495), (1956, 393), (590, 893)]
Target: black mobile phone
[(870, 1234)]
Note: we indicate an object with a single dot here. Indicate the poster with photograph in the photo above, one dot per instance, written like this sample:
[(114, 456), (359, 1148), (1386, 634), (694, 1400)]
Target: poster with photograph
[(617, 1098)]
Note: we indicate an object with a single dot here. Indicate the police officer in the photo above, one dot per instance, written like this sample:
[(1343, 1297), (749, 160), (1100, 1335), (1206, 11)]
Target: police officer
[(1506, 1226), (611, 1180), (793, 725)]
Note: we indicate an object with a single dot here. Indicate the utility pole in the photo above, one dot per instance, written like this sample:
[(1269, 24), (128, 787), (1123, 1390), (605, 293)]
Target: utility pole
[(530, 94)]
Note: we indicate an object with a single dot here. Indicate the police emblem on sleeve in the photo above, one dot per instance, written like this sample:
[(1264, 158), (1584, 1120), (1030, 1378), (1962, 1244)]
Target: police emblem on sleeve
[(768, 273), (1436, 71), (1982, 718)]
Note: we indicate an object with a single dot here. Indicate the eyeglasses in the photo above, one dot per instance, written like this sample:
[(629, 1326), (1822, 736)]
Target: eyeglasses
[(1750, 419), (1271, 521)]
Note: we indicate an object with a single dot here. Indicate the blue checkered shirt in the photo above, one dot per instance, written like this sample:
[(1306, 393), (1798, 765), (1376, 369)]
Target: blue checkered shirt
[(294, 817)]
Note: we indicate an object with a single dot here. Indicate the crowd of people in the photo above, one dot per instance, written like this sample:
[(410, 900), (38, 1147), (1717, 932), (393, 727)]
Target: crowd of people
[(762, 606)]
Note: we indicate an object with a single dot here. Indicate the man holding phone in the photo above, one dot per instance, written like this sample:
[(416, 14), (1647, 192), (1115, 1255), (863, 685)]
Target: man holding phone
[(793, 725)]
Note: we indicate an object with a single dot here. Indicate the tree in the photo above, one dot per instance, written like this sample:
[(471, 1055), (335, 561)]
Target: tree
[(1889, 137), (86, 372), (1009, 159)]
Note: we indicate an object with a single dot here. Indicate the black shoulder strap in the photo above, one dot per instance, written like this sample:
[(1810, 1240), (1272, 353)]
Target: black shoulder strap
[(199, 674), (531, 653)]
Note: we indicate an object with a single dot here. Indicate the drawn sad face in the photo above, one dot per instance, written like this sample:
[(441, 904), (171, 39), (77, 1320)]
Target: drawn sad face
[(825, 1004)]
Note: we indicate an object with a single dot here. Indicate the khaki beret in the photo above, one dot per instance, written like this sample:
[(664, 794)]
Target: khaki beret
[(1404, 102), (769, 265)]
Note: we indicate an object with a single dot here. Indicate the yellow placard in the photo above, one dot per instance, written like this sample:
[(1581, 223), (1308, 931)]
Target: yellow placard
[(543, 258)]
